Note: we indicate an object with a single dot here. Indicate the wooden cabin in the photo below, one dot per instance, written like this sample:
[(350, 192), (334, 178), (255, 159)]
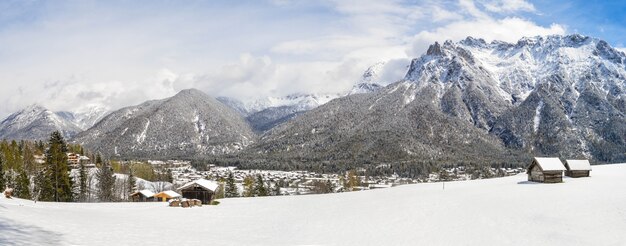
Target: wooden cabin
[(546, 170), (201, 189), (577, 168), (142, 196), (166, 195)]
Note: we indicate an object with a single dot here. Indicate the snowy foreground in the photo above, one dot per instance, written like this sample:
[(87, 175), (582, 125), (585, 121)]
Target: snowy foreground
[(503, 211)]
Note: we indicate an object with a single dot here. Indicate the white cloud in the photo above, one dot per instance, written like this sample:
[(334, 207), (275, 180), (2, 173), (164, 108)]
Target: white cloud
[(508, 6), (67, 54), (507, 29), (622, 49)]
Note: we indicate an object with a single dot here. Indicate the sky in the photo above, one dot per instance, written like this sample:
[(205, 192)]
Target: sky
[(72, 55)]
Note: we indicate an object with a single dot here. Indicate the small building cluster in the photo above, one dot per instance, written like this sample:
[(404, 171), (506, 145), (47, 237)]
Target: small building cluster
[(200, 191), (550, 169), (74, 161)]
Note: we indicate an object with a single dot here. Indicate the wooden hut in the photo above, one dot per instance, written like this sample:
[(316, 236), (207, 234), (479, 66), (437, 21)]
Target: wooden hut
[(546, 170), (201, 189), (166, 195), (142, 196), (577, 168)]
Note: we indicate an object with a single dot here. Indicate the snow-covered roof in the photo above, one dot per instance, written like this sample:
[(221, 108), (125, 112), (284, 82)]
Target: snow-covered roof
[(168, 194), (146, 193), (579, 165), (550, 163), (209, 185)]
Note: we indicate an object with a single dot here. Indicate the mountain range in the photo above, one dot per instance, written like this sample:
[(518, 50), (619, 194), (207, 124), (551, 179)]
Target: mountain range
[(466, 101)]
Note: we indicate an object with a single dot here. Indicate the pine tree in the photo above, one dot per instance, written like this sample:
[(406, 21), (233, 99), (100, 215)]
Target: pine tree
[(22, 185), (231, 187), (131, 182), (259, 187), (276, 191), (82, 183), (106, 183), (57, 171), (248, 186), (2, 181)]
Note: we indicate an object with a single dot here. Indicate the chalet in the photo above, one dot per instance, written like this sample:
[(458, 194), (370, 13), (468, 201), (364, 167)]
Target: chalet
[(142, 196), (166, 195), (546, 170), (201, 189), (577, 168)]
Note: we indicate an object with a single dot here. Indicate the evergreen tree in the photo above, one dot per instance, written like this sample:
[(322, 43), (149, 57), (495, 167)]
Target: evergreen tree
[(259, 187), (248, 186), (276, 190), (57, 170), (106, 183), (22, 185), (82, 183), (131, 182), (98, 160), (231, 187), (2, 181)]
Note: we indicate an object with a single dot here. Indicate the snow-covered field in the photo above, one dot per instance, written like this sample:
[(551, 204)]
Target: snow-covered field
[(503, 211)]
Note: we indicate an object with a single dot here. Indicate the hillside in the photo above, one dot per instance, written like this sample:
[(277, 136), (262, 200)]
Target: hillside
[(503, 211), (187, 124), (475, 101), (36, 123)]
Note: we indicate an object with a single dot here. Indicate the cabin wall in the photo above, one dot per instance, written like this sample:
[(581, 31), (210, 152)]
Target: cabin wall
[(577, 173), (553, 177), (536, 174)]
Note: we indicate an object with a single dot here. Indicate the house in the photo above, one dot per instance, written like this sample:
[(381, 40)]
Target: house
[(167, 195), (142, 196), (577, 168), (546, 170), (201, 189)]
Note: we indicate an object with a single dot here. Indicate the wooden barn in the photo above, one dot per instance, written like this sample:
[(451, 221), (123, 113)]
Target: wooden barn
[(546, 170), (142, 196), (166, 195), (577, 168), (201, 189)]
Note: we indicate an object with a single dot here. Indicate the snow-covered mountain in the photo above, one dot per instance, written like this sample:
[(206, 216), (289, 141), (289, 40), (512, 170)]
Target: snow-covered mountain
[(370, 80), (555, 95), (87, 116), (265, 113), (186, 125), (36, 123)]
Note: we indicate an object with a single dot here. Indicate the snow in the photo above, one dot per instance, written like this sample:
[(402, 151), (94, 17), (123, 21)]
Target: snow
[(142, 136), (537, 118), (550, 163), (210, 185), (146, 193), (578, 164), (503, 211)]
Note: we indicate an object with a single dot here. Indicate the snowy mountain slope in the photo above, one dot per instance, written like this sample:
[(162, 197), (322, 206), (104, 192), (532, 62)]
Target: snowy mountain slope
[(263, 114), (36, 123), (555, 95), (187, 124), (370, 80), (502, 211), (391, 125), (87, 116)]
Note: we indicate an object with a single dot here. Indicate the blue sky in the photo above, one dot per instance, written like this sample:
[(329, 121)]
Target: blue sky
[(67, 55)]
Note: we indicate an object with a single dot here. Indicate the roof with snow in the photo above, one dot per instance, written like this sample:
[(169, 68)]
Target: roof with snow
[(550, 163), (206, 184), (146, 193), (582, 165), (168, 194)]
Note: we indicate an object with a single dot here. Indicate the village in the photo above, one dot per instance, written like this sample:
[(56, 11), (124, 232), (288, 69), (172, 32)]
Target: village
[(191, 187)]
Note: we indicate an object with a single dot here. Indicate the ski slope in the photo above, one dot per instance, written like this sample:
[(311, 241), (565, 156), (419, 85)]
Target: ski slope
[(503, 211)]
